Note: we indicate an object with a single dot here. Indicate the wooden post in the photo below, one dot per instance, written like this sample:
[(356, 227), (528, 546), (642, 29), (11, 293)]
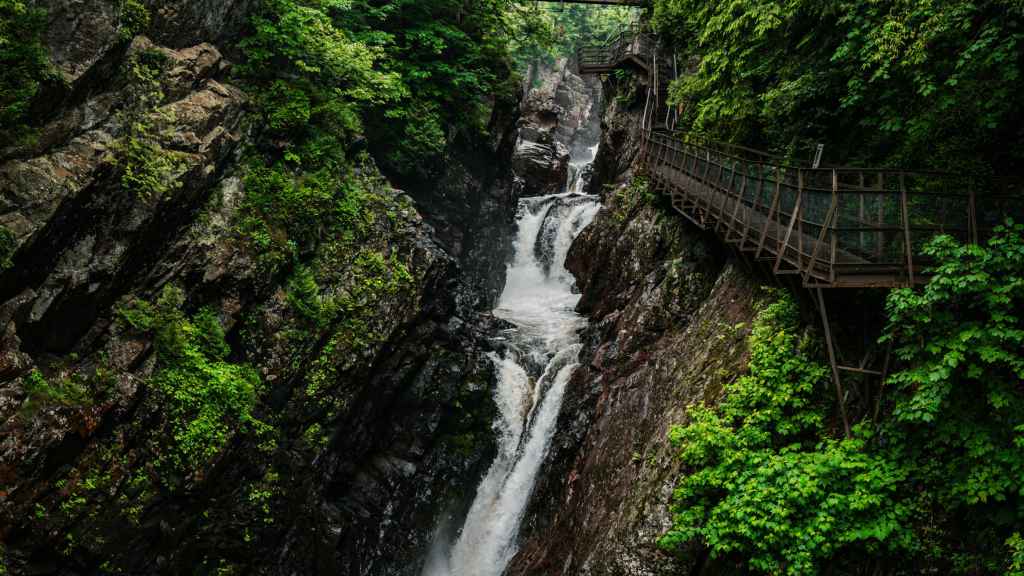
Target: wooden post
[(784, 246), (756, 205), (832, 360), (833, 208), (771, 212), (860, 215), (739, 202), (908, 244), (880, 235)]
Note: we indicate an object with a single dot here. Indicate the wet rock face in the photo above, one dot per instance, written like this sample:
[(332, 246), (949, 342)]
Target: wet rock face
[(371, 432), (668, 315), (621, 133), (79, 230), (554, 120), (85, 36)]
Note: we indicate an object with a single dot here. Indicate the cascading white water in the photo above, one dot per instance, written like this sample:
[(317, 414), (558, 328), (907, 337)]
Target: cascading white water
[(533, 372)]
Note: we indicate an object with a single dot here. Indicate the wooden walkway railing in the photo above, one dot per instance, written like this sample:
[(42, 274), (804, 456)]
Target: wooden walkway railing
[(632, 45), (833, 227)]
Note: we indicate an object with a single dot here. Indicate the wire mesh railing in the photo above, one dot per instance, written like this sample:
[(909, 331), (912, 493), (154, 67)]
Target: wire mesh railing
[(631, 43), (832, 226)]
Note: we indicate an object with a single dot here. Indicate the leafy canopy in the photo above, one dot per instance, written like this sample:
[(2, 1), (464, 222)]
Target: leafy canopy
[(24, 65), (935, 484), (911, 82), (765, 485)]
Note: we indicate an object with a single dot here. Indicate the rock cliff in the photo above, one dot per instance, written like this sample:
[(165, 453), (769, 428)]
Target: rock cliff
[(334, 440), (555, 119)]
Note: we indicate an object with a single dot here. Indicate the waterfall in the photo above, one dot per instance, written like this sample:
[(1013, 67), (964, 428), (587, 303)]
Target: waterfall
[(533, 372)]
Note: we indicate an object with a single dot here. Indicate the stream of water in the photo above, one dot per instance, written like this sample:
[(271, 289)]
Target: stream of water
[(533, 372)]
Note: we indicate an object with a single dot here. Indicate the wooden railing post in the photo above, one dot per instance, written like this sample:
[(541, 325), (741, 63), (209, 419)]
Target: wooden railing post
[(825, 225), (908, 242), (880, 235), (860, 214), (784, 245), (759, 190), (776, 202)]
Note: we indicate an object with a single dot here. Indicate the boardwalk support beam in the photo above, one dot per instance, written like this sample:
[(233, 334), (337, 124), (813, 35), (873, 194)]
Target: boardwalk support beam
[(840, 400)]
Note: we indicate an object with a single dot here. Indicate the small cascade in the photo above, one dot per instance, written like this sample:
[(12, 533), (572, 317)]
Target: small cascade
[(538, 361)]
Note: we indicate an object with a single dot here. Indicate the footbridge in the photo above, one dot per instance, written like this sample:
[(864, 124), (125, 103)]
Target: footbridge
[(832, 227), (824, 227)]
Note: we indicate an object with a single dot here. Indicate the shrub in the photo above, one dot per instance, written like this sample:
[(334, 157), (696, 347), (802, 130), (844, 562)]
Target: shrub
[(207, 398), (24, 65)]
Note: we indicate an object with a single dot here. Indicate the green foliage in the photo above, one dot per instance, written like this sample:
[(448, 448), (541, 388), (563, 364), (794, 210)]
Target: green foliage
[(451, 59), (43, 393), (957, 406), (24, 65), (630, 196), (134, 19), (207, 397), (542, 32), (138, 314), (906, 75), (965, 327), (935, 482), (1016, 545), (289, 212), (8, 246), (371, 280), (765, 488), (312, 82), (311, 78), (67, 389), (146, 169)]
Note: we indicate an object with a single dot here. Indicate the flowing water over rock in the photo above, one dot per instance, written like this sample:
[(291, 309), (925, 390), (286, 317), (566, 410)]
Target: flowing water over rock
[(538, 360)]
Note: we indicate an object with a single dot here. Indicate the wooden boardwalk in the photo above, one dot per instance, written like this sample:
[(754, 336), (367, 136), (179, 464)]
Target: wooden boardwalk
[(832, 227), (629, 47)]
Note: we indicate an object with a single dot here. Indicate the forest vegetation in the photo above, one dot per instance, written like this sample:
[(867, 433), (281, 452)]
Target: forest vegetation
[(930, 480)]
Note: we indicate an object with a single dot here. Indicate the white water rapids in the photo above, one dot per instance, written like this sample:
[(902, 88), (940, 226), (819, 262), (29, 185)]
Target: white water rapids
[(533, 372)]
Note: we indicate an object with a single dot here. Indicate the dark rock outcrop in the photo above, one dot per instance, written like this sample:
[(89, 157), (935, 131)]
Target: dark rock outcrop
[(369, 423), (554, 120)]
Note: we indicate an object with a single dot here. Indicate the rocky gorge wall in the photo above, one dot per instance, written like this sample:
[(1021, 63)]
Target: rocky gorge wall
[(669, 315), (558, 116), (361, 429)]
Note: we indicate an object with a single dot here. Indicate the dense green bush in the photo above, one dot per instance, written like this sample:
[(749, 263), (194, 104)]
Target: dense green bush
[(312, 82), (207, 398), (934, 484), (452, 59), (145, 168), (24, 65), (134, 18), (542, 32), (766, 486)]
